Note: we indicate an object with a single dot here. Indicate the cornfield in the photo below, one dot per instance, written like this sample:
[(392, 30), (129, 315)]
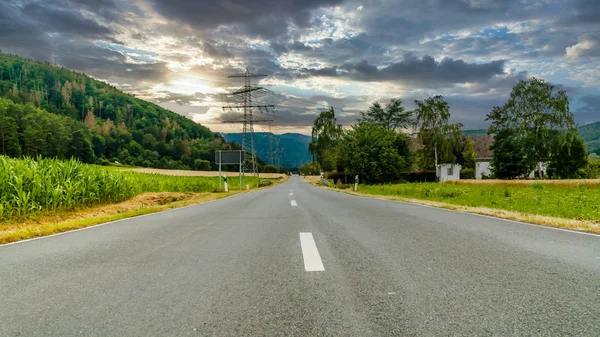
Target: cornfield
[(30, 186)]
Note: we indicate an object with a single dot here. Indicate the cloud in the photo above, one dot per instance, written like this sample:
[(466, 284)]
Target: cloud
[(346, 53), (425, 71), (590, 112), (264, 18), (588, 46), (66, 21)]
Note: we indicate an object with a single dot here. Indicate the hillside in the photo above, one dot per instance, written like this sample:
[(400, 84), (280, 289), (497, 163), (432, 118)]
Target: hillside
[(590, 134), (477, 132), (50, 111), (293, 147)]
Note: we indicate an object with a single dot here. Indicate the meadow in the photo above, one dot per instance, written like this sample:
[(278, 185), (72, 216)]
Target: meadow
[(33, 186), (578, 200)]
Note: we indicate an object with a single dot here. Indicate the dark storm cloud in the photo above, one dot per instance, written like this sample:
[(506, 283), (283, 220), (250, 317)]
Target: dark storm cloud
[(425, 70), (585, 12), (266, 18), (590, 112), (66, 21)]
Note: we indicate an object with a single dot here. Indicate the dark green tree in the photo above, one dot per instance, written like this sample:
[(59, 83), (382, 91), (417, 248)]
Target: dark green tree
[(569, 159), (509, 155), (375, 153), (537, 116), (81, 147), (392, 117), (325, 134), (440, 139)]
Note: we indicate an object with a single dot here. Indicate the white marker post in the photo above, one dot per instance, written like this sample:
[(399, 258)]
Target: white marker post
[(225, 181), (356, 183), (220, 159), (247, 187)]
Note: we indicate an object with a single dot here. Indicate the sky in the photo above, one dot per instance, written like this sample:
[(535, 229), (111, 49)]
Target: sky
[(317, 53)]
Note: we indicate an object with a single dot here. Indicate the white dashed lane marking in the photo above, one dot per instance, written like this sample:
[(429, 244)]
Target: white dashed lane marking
[(312, 259)]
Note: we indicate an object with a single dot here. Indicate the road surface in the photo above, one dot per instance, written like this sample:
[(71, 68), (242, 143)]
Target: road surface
[(298, 260)]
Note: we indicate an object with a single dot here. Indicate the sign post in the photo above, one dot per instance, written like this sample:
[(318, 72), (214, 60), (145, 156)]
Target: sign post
[(236, 157)]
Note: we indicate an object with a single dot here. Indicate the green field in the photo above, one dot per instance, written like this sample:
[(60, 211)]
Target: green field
[(577, 201), (29, 187)]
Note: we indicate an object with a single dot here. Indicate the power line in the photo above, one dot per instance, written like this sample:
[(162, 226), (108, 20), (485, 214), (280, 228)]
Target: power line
[(245, 94)]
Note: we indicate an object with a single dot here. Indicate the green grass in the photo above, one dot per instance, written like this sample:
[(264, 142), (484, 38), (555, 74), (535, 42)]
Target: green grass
[(571, 202), (33, 186)]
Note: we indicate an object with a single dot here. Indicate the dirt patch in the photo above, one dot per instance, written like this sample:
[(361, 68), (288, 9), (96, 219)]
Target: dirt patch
[(312, 179)]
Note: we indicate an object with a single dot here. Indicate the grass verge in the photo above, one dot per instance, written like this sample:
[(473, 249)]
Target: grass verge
[(69, 220), (587, 206)]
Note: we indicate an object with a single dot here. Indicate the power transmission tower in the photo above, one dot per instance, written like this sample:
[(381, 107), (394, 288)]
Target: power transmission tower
[(278, 156), (244, 99)]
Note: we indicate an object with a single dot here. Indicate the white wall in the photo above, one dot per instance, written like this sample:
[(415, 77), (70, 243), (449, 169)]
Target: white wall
[(482, 168), (448, 172)]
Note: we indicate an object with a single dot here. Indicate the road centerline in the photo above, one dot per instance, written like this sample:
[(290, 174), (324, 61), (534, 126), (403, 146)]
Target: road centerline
[(312, 258), (294, 203)]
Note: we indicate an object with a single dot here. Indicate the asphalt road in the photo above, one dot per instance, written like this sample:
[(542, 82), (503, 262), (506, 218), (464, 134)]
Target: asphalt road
[(361, 267)]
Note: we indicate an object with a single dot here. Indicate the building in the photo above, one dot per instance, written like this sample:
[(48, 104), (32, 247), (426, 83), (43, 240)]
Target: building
[(447, 172), (483, 160), (483, 167)]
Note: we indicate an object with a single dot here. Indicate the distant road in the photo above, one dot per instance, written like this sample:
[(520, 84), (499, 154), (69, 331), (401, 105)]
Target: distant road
[(298, 260)]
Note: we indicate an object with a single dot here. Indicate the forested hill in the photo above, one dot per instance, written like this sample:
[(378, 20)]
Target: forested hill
[(50, 111)]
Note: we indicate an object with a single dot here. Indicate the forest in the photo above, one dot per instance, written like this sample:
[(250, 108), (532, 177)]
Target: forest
[(50, 111)]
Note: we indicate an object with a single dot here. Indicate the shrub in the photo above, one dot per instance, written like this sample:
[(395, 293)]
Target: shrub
[(343, 176), (421, 176), (201, 165), (270, 169), (467, 173)]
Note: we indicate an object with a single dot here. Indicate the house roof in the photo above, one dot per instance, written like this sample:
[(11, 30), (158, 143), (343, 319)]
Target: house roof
[(481, 144)]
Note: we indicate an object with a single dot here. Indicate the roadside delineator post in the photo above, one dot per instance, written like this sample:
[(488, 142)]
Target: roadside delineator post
[(225, 182), (356, 183)]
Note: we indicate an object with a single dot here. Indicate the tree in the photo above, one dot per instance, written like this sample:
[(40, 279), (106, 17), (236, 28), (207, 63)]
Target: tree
[(537, 117), (81, 147), (569, 159), (374, 152), (310, 169), (439, 138), (9, 137), (392, 117), (468, 155), (509, 156), (325, 134)]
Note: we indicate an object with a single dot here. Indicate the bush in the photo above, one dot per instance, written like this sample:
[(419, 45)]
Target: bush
[(467, 173), (310, 169), (201, 165), (593, 171), (343, 176), (421, 176), (270, 169), (264, 182)]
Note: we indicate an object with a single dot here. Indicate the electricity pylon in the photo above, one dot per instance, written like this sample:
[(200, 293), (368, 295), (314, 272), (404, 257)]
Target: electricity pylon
[(243, 98)]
